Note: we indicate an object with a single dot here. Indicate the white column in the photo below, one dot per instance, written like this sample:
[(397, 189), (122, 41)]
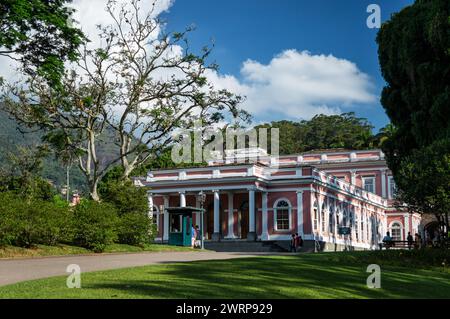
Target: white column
[(383, 184), (230, 216), (216, 233), (150, 205), (264, 213), (251, 215), (300, 213), (166, 218), (182, 199), (353, 178), (311, 212)]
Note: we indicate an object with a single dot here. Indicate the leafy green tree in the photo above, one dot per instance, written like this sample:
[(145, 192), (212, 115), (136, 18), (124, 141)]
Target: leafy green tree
[(119, 86), (22, 174), (324, 132), (39, 34), (414, 55)]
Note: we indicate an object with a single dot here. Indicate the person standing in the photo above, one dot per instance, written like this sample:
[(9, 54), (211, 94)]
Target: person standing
[(197, 237), (193, 236), (416, 241), (292, 244), (299, 242), (410, 240)]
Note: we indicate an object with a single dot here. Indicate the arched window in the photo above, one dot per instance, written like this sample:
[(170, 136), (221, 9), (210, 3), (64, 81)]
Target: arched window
[(316, 216), (351, 217), (344, 218), (363, 217), (338, 216), (368, 228), (155, 216), (331, 216), (282, 215), (356, 226), (396, 231), (322, 216)]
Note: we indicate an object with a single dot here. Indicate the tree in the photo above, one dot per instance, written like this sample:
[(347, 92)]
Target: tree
[(39, 34), (414, 54), (141, 85), (21, 176), (324, 132)]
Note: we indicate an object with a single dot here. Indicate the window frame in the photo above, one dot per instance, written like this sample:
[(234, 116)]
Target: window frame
[(400, 228), (323, 212), (155, 213), (372, 178), (275, 215), (391, 182)]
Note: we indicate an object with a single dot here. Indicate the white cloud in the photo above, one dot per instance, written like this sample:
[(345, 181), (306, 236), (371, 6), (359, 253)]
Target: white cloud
[(90, 13), (299, 85), (293, 84)]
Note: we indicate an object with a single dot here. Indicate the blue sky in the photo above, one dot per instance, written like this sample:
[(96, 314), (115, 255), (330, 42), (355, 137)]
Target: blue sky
[(261, 29)]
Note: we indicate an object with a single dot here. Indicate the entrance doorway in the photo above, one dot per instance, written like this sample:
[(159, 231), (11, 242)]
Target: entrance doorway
[(243, 220), (209, 221)]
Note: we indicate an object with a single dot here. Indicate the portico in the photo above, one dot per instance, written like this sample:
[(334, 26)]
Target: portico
[(229, 213)]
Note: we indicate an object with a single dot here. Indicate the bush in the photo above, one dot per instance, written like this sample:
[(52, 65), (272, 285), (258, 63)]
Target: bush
[(27, 222), (135, 226), (135, 229), (10, 208), (95, 225)]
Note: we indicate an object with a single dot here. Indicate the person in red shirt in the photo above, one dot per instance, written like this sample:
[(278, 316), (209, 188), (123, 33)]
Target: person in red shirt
[(298, 242)]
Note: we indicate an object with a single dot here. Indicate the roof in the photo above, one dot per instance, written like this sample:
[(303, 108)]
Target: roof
[(183, 210)]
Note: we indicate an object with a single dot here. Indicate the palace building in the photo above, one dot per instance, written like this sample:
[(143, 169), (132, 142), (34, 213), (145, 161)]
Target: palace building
[(334, 199)]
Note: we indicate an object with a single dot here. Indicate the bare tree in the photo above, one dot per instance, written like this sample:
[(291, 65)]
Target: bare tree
[(139, 86)]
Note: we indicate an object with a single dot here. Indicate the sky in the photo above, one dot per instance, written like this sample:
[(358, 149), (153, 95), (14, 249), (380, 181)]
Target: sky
[(262, 30), (291, 59)]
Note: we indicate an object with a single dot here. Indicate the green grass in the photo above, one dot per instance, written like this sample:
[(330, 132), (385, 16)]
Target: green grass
[(64, 250), (331, 275)]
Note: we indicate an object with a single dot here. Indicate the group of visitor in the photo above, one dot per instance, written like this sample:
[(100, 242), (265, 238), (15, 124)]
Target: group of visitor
[(415, 241), (296, 242)]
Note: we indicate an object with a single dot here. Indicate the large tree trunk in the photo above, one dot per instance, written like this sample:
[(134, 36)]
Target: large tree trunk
[(93, 192)]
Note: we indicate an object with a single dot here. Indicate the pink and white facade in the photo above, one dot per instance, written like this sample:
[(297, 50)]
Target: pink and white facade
[(312, 194)]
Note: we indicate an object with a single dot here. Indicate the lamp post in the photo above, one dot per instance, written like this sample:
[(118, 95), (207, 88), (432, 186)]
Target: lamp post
[(202, 197)]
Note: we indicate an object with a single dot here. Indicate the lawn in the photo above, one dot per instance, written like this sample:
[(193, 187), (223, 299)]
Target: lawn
[(331, 275), (64, 250)]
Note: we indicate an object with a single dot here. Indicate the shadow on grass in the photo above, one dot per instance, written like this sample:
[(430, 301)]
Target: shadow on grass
[(268, 277)]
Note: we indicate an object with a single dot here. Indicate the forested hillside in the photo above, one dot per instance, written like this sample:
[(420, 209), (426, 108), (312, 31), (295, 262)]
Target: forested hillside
[(322, 132), (11, 139)]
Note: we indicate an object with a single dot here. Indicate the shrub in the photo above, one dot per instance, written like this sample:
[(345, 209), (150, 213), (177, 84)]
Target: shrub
[(27, 222), (53, 223), (135, 226), (94, 225), (10, 208), (135, 229)]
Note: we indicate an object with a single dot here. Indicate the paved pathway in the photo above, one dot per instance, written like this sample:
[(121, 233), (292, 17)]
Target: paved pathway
[(16, 270)]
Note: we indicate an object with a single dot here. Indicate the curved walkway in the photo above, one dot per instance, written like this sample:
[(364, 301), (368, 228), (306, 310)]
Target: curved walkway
[(16, 270)]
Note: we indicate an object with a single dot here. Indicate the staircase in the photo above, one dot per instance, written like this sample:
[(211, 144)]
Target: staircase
[(244, 246)]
